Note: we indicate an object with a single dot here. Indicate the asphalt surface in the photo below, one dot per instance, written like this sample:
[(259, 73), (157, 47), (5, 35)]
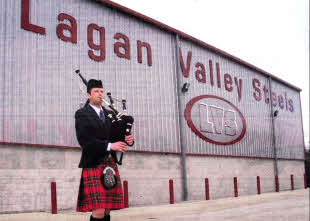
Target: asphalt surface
[(283, 206)]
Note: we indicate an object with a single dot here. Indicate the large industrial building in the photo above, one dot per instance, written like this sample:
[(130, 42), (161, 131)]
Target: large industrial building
[(199, 111)]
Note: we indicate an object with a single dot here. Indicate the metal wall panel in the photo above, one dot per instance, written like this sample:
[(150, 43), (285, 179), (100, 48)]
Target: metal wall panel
[(288, 124), (41, 92), (257, 140), (45, 90), (3, 18), (145, 88), (16, 55)]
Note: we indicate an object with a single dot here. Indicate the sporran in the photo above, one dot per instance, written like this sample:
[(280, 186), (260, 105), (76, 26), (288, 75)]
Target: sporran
[(108, 178)]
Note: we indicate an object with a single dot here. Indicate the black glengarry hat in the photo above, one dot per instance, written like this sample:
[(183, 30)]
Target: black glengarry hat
[(92, 83)]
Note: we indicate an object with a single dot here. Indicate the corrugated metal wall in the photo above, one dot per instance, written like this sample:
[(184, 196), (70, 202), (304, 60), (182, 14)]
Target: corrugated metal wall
[(288, 129), (2, 65), (45, 93), (258, 137), (40, 91)]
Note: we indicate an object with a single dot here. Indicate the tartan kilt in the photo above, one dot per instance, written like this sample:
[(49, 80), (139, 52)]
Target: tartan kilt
[(92, 195)]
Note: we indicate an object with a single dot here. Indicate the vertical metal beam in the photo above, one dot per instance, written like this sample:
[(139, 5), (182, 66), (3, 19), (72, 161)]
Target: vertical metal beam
[(276, 171), (181, 112)]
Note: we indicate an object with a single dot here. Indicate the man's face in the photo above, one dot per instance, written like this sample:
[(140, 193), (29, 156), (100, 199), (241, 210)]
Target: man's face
[(95, 96)]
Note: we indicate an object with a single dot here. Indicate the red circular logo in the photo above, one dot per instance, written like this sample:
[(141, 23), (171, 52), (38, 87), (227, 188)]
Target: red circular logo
[(215, 119)]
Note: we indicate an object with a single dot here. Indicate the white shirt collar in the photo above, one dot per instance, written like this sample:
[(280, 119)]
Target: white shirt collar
[(96, 109)]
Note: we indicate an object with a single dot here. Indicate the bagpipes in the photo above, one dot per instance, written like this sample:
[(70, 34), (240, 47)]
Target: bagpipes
[(121, 122)]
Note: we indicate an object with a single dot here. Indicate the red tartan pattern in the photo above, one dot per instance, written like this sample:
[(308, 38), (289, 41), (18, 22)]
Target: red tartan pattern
[(92, 194)]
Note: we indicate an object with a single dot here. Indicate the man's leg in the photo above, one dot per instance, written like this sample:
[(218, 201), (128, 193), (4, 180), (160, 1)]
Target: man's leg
[(107, 215), (97, 214), (100, 214)]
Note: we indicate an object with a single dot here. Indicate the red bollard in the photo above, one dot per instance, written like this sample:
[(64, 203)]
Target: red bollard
[(258, 184), (125, 184), (292, 181), (305, 181), (277, 183), (236, 186), (207, 189), (171, 191), (54, 197)]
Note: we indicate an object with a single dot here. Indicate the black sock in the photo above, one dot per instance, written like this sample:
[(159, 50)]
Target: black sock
[(107, 218), (96, 219)]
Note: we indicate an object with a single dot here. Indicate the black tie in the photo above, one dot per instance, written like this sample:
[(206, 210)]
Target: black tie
[(101, 115)]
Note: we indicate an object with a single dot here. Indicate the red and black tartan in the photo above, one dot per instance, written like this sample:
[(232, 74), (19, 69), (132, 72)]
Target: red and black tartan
[(92, 194)]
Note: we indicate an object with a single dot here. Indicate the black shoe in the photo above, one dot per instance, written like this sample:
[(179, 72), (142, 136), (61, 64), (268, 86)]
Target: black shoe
[(96, 219), (106, 218)]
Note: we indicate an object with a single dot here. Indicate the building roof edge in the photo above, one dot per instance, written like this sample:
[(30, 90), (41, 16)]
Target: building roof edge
[(193, 39)]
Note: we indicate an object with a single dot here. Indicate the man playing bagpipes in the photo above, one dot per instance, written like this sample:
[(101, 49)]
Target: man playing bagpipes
[(100, 187)]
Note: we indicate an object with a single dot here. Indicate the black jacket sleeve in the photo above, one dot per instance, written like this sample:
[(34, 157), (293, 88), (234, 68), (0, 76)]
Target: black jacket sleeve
[(86, 135)]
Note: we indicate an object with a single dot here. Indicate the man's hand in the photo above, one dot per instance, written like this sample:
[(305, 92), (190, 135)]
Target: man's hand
[(129, 139), (118, 146)]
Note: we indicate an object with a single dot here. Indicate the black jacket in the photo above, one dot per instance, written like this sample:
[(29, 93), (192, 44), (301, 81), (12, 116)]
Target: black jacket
[(93, 135)]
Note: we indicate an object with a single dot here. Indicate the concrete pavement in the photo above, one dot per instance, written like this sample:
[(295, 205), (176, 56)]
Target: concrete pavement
[(283, 206)]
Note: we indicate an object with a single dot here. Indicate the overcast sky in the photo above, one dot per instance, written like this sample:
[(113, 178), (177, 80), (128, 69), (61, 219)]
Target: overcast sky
[(270, 34)]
